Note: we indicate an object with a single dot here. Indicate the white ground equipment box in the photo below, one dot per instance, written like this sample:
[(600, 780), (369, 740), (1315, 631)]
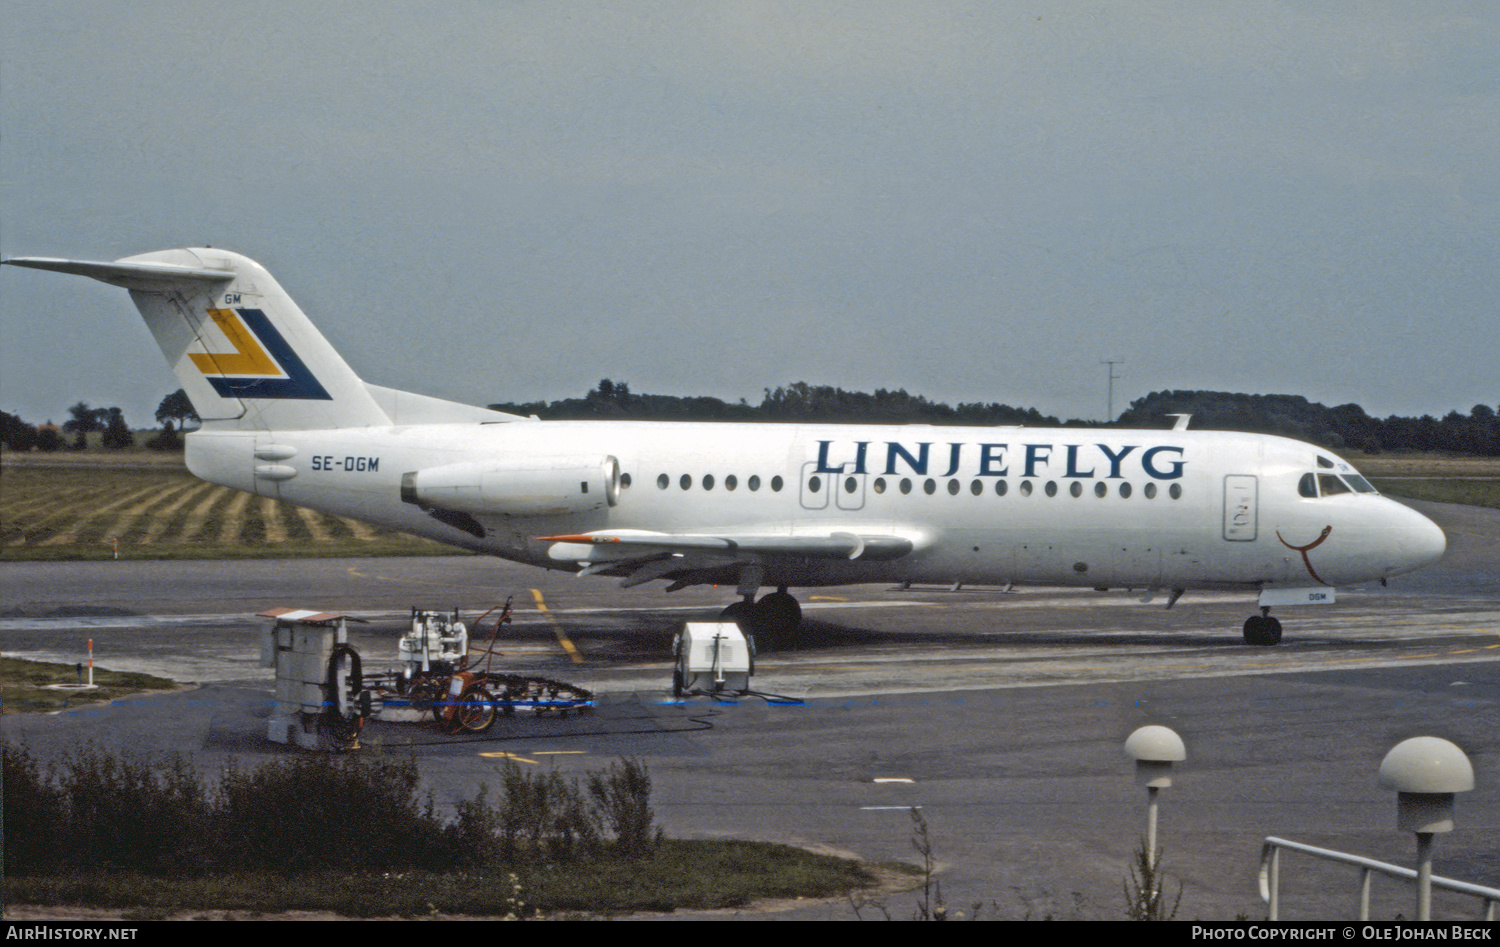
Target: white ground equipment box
[(320, 702), (712, 658)]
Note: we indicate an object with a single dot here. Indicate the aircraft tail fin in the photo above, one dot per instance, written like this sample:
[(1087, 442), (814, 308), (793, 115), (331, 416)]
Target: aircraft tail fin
[(244, 352)]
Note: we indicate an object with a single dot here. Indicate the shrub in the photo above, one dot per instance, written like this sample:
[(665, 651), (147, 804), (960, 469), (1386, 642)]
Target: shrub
[(622, 797), (359, 812), (542, 817), (33, 813), (321, 811), (149, 815)]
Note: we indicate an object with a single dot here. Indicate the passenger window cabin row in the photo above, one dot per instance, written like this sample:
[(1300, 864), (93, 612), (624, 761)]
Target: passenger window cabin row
[(929, 486)]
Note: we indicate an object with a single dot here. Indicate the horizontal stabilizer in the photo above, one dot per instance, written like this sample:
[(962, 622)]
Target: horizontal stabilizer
[(128, 275)]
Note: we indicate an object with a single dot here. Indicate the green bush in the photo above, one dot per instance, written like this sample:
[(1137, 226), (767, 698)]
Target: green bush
[(131, 813), (306, 813), (309, 813), (622, 797), (33, 811)]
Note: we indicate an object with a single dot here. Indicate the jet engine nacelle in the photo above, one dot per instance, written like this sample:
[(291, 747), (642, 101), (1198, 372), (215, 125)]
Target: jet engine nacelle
[(523, 486)]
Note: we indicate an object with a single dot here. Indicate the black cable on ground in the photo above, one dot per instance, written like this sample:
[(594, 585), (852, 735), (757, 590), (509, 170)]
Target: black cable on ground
[(768, 698), (701, 720)]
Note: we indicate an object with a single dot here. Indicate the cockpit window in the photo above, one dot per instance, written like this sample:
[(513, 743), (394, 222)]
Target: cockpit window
[(1308, 486), (1360, 484), (1331, 484), (1324, 462)]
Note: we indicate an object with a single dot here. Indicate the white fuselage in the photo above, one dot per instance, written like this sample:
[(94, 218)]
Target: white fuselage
[(1067, 506)]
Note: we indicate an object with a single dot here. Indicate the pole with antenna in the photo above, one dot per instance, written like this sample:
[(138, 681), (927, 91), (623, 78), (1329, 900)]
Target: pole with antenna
[(1111, 362)]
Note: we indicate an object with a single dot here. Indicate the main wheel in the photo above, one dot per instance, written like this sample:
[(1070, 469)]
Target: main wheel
[(741, 613), (779, 614), (1272, 633)]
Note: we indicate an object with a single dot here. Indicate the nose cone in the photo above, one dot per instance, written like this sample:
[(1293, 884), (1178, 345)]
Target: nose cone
[(1419, 541)]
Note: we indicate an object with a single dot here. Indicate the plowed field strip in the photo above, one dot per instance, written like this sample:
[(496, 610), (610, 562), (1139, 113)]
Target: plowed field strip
[(74, 511), (236, 524), (46, 515), (88, 526), (132, 524), (173, 514), (206, 515), (271, 514)]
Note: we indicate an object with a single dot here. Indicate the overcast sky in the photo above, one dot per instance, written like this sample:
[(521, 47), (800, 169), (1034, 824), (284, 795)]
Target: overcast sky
[(495, 201)]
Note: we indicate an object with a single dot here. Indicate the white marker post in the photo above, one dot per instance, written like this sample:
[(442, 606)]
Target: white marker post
[(91, 662), (1154, 750), (1426, 772)]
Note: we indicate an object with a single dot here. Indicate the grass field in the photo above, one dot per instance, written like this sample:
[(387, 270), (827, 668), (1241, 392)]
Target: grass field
[(1466, 492), (80, 509), (716, 874), (24, 686)]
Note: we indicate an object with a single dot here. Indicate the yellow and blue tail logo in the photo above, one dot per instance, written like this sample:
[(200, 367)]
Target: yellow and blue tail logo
[(262, 364)]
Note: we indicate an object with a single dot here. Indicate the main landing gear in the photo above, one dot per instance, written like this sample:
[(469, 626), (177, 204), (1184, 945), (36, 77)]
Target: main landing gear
[(776, 615), (1262, 629)]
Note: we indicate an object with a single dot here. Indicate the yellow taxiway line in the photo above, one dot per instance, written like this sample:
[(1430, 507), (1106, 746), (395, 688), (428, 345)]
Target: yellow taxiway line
[(557, 629)]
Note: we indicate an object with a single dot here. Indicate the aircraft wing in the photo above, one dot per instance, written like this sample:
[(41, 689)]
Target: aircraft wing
[(642, 555), (620, 543)]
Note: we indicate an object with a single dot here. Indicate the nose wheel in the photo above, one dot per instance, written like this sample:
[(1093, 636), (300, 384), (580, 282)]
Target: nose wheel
[(1262, 629)]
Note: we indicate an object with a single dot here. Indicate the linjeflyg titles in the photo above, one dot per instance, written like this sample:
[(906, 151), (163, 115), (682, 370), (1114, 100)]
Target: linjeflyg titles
[(1000, 459)]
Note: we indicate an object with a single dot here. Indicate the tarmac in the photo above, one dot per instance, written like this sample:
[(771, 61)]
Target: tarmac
[(1000, 716)]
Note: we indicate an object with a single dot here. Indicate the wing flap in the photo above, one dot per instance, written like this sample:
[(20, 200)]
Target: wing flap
[(606, 545)]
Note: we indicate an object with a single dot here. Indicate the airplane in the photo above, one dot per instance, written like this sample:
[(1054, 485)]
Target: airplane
[(755, 505)]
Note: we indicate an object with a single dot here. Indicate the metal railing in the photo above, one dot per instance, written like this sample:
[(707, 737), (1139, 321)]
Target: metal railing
[(1270, 877)]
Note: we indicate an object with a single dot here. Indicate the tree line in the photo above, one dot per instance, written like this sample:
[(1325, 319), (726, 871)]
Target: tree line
[(798, 401), (174, 411), (1345, 427)]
